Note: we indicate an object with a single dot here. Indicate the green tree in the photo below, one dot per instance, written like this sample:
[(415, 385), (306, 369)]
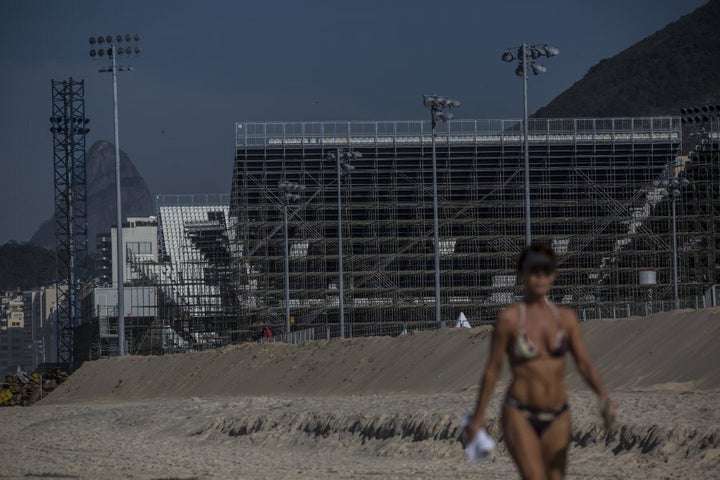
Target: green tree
[(24, 266)]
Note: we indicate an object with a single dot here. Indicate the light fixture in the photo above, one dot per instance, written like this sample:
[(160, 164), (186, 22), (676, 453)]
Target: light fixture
[(342, 158), (290, 192), (113, 50), (700, 114), (550, 51), (58, 124), (526, 56), (442, 116), (537, 68), (672, 184), (437, 105)]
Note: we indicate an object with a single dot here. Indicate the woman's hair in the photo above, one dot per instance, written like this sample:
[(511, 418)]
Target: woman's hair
[(537, 254)]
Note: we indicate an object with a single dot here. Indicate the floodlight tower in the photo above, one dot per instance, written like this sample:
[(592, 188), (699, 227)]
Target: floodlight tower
[(437, 106), (68, 125), (527, 54), (672, 186), (114, 47), (342, 158), (290, 192)]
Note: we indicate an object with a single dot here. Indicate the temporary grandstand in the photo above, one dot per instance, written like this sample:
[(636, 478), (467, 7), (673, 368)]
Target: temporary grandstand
[(193, 271), (593, 197)]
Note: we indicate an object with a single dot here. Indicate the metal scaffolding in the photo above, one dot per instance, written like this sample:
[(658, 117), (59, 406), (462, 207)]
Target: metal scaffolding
[(68, 126), (196, 300), (592, 198), (699, 210), (97, 336)]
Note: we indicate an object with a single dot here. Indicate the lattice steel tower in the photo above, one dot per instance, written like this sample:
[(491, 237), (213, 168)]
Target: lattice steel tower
[(69, 127)]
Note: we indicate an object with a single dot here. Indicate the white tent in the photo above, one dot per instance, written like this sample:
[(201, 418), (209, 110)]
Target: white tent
[(462, 321)]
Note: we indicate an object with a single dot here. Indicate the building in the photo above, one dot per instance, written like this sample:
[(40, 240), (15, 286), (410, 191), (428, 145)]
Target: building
[(177, 278), (104, 258), (41, 323), (592, 197), (97, 335), (140, 243), (15, 343)]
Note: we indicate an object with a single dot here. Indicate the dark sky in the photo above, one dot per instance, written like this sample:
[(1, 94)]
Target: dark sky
[(206, 65)]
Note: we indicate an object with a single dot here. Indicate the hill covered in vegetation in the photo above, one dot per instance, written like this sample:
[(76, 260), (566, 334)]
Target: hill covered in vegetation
[(675, 67), (24, 266)]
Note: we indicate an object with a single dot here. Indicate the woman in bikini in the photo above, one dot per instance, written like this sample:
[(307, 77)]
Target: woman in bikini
[(536, 335)]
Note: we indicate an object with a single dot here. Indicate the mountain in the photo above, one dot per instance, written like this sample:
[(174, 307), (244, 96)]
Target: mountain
[(675, 67), (101, 211)]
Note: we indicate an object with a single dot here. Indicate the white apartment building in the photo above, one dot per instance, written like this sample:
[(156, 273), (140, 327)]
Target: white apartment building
[(140, 241)]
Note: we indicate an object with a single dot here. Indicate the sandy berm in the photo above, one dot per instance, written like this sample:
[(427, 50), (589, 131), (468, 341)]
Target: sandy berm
[(366, 408)]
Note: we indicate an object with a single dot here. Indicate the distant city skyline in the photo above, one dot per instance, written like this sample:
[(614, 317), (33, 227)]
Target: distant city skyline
[(205, 66)]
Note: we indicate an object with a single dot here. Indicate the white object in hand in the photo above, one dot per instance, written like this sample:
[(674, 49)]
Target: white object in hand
[(481, 446)]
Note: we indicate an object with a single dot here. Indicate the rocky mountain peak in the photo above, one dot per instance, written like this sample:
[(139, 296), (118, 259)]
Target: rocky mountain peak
[(101, 196)]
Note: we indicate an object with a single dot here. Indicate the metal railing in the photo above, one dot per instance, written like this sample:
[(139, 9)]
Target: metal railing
[(490, 131)]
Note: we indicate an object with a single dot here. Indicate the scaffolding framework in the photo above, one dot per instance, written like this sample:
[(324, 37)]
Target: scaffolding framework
[(699, 207), (592, 198), (197, 304), (70, 186), (97, 336)]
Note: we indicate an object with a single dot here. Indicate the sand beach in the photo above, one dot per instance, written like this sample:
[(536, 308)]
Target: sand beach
[(364, 408)]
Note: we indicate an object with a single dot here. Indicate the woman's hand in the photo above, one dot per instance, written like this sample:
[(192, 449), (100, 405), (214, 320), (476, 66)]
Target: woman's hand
[(473, 427), (608, 410)]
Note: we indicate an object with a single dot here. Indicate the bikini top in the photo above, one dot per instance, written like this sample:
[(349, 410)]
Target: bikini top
[(525, 349)]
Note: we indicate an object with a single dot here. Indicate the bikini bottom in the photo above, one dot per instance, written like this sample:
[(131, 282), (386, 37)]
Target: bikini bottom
[(539, 418)]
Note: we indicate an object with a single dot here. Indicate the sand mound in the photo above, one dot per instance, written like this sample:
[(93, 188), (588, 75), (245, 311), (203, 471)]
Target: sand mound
[(369, 408), (670, 351)]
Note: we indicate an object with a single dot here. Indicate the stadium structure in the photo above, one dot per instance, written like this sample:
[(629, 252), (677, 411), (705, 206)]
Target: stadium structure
[(180, 298), (193, 273), (597, 195)]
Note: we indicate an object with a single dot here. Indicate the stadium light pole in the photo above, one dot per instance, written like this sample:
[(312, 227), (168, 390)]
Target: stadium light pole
[(671, 188), (117, 46), (290, 192), (438, 106), (526, 55), (342, 158)]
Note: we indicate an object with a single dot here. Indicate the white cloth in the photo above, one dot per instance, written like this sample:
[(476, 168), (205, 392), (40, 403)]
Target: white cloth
[(480, 447)]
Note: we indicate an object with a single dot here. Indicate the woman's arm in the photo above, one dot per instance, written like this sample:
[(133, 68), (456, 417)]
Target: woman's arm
[(498, 346)]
